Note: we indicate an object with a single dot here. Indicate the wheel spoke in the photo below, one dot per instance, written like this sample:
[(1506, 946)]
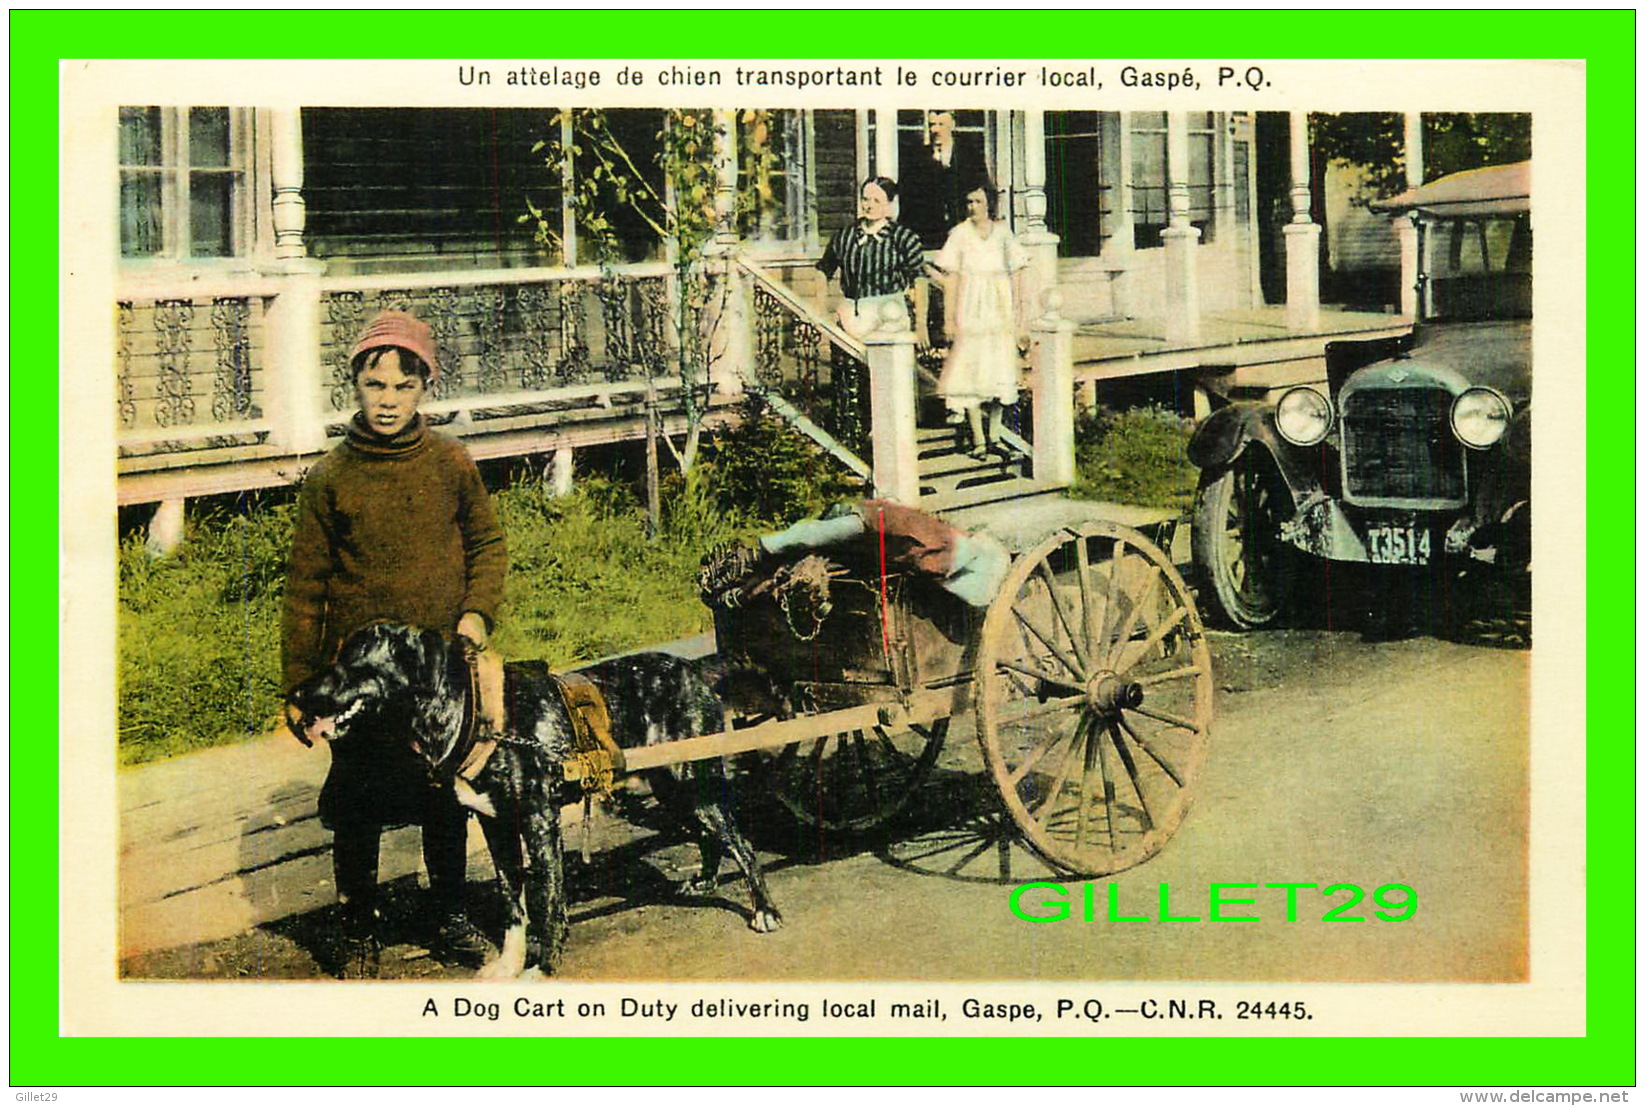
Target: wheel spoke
[(1168, 719), (1096, 757), (1136, 782), (1030, 711), (1056, 651), (1174, 674), (1044, 571), (1121, 667), (1042, 676), (1165, 765), (1082, 562), (1036, 756), (1111, 608), (1047, 805), (1130, 626)]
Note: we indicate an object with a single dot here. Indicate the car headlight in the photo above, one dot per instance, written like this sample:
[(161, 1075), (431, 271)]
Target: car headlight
[(1303, 416), (1479, 417)]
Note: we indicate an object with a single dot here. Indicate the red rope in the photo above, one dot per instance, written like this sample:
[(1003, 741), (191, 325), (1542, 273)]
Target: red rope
[(885, 602)]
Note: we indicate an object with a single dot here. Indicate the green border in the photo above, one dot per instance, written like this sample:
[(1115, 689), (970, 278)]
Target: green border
[(1605, 1057)]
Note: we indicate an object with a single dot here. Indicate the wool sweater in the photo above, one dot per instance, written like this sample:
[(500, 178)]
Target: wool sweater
[(395, 528)]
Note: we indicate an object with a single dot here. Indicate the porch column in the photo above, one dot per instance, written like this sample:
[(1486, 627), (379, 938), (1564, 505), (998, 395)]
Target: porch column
[(1182, 325), (893, 404), (1301, 238), (1053, 392), (293, 374), (731, 339), (290, 209), (1119, 251), (885, 145), (1405, 226), (1036, 238)]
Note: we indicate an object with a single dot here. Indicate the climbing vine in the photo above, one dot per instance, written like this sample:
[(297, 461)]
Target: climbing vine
[(676, 198)]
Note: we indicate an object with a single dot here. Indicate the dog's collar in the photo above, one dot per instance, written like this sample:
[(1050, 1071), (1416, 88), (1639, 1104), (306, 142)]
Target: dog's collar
[(470, 751)]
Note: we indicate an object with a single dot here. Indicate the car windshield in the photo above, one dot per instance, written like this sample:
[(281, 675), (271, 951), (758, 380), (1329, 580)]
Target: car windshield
[(1479, 268)]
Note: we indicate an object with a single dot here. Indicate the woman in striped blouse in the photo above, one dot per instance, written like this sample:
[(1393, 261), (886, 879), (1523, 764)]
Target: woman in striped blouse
[(877, 258)]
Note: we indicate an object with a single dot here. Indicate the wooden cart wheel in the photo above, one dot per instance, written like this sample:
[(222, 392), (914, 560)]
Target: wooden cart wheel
[(1094, 698), (854, 781)]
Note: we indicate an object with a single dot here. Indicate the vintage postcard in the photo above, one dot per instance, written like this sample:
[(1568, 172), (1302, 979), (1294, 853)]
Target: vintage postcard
[(1006, 743)]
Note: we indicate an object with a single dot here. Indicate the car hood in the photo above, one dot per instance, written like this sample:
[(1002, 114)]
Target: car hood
[(1494, 354)]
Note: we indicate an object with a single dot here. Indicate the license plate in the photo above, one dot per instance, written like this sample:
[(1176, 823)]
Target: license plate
[(1398, 543)]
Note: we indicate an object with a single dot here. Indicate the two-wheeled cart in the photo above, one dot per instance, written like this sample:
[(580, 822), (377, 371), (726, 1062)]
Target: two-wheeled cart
[(1087, 681)]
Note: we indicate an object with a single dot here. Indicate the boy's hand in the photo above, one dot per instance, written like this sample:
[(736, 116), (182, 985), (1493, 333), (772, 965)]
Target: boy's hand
[(473, 627)]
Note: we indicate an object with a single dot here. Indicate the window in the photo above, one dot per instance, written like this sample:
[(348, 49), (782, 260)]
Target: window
[(1080, 150), (773, 165), (414, 184), (182, 182), (1150, 183)]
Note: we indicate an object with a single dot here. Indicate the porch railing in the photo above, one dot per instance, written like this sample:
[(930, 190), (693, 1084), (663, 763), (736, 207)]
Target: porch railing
[(195, 379), (810, 370)]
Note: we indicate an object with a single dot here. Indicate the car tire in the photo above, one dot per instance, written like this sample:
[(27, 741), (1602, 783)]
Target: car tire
[(1246, 570)]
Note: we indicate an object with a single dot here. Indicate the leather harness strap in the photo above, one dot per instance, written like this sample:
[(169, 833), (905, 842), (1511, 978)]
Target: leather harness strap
[(483, 718), (597, 760)]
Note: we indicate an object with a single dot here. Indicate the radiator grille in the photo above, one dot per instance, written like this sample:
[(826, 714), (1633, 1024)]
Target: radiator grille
[(1397, 444)]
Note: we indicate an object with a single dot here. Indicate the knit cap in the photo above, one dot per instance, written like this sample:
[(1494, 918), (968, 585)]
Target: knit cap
[(402, 329)]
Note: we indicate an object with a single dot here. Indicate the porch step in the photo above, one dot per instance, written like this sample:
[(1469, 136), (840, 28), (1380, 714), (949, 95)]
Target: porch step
[(998, 491), (945, 470)]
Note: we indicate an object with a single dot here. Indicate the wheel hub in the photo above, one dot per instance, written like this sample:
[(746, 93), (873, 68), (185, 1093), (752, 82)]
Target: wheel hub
[(1106, 693)]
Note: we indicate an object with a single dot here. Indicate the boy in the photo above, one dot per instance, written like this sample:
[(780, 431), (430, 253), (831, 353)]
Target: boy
[(394, 523)]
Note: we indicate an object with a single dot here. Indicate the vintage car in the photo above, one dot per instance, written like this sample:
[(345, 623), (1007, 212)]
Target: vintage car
[(1417, 450)]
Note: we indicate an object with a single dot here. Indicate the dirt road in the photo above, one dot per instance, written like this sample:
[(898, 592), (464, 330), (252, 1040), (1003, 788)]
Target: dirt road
[(1335, 760)]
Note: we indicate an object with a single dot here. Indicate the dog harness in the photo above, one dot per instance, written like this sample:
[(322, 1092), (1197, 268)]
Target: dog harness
[(597, 760)]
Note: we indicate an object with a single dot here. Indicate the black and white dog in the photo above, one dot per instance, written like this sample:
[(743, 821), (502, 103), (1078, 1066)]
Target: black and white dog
[(391, 680)]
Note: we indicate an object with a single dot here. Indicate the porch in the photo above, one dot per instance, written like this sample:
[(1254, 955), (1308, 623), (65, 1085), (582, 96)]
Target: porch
[(1238, 353), (231, 373)]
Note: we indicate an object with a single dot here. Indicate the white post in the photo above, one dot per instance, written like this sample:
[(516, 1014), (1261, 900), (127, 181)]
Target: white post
[(568, 185), (1405, 227), (893, 404), (1301, 238), (292, 371), (862, 151), (561, 471), (725, 176), (165, 529), (731, 339), (1182, 326), (885, 142), (1053, 393), (1037, 238), (293, 374), (289, 209)]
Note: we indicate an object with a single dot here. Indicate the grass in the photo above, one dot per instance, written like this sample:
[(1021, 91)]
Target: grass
[(1137, 456), (199, 629)]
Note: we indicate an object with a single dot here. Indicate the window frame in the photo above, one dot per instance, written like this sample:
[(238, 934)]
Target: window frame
[(1210, 133), (177, 180)]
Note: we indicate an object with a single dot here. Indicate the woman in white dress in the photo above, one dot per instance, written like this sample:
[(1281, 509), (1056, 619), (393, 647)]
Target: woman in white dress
[(981, 267)]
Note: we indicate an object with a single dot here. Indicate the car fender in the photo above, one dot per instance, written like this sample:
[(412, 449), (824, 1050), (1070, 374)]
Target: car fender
[(1219, 440)]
